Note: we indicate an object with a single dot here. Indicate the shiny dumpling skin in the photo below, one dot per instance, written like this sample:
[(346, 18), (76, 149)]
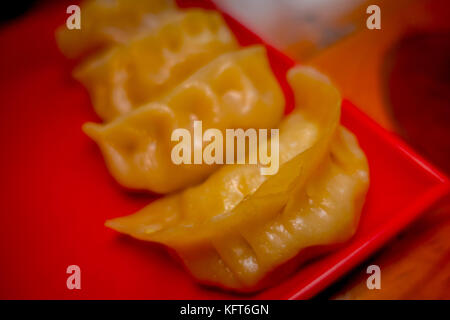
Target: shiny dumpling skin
[(126, 77), (236, 90), (109, 22), (322, 213), (238, 226)]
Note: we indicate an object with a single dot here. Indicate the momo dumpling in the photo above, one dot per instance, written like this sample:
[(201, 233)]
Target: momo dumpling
[(126, 77), (108, 22), (238, 226), (236, 90)]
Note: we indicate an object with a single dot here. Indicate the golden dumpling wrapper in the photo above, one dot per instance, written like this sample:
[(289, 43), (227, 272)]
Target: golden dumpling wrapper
[(236, 90), (129, 76), (108, 22), (238, 226)]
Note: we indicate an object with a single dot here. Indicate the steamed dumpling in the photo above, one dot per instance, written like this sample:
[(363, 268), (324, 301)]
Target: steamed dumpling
[(236, 90), (239, 225), (129, 76), (108, 22)]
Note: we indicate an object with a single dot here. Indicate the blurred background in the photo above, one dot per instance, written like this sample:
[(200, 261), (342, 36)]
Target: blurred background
[(400, 76)]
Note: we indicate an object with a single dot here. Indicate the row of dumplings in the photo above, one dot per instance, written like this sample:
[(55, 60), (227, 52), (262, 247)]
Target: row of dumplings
[(152, 68), (186, 66)]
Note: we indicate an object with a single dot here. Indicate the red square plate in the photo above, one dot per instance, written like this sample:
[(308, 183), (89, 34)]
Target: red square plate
[(56, 193)]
